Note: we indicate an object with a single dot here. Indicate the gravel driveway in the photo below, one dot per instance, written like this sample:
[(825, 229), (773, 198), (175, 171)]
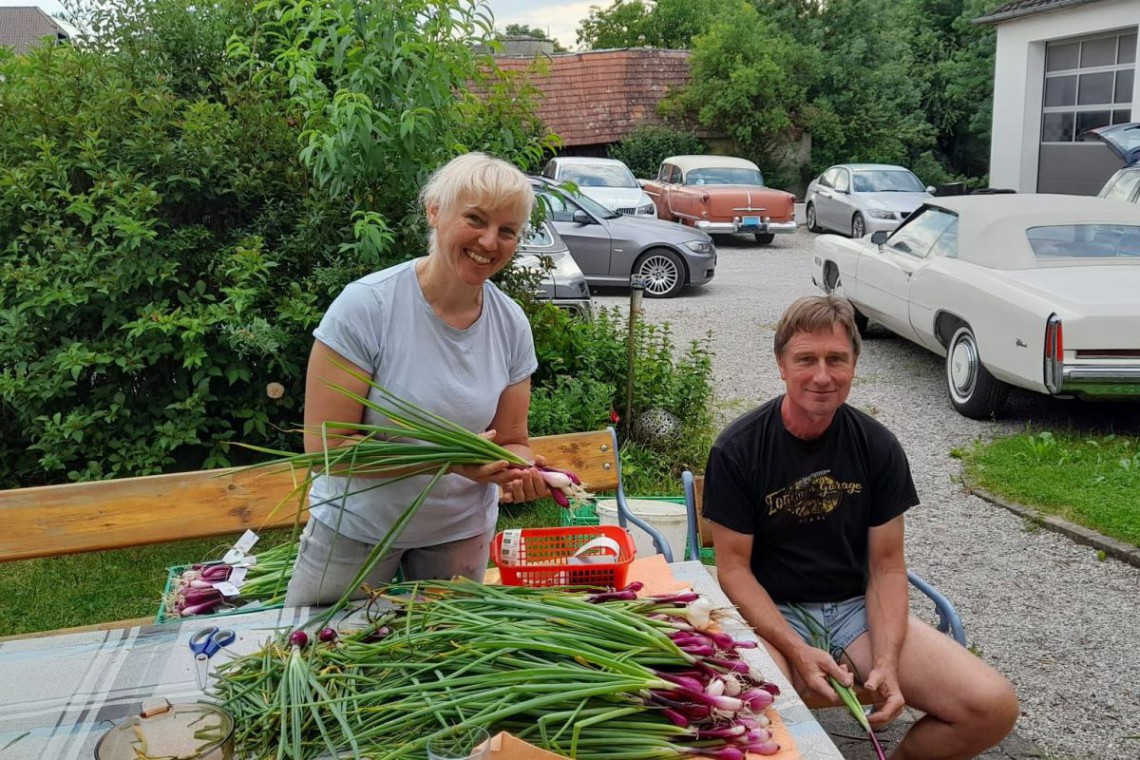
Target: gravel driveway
[(1063, 626)]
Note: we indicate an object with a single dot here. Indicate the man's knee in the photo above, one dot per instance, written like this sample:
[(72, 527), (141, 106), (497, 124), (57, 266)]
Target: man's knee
[(994, 708)]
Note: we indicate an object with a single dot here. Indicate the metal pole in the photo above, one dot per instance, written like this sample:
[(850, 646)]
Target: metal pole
[(636, 290)]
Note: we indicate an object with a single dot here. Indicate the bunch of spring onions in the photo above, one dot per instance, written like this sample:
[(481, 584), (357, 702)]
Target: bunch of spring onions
[(194, 591), (412, 441), (821, 639), (589, 676), (267, 579)]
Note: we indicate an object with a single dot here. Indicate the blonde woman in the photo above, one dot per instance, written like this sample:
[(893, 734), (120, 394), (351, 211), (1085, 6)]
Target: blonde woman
[(437, 332)]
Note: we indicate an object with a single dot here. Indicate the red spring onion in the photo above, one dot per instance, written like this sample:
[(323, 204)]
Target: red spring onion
[(299, 638), (612, 596), (757, 699), (327, 635), (199, 609)]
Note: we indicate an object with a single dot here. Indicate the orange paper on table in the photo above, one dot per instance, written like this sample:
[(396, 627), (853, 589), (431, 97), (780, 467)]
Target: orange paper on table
[(505, 746)]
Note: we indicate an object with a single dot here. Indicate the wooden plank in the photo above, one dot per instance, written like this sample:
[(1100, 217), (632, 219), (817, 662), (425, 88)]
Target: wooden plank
[(590, 455), (49, 521), (705, 526)]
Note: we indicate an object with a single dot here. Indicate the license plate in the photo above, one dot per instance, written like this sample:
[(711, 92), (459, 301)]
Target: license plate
[(751, 221)]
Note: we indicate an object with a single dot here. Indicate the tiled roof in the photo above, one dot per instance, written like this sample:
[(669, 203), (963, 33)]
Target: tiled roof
[(23, 27), (599, 96), (1021, 8)]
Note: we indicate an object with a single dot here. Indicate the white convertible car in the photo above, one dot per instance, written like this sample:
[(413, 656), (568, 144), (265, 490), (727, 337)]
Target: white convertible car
[(1041, 292)]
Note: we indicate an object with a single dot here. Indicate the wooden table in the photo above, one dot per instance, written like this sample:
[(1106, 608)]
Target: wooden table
[(59, 694)]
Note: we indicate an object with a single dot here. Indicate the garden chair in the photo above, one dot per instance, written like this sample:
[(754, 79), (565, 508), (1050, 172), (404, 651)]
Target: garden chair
[(700, 536)]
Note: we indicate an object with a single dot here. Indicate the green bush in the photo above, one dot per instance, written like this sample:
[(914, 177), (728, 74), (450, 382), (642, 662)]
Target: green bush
[(581, 385), (184, 192), (153, 255), (646, 147)]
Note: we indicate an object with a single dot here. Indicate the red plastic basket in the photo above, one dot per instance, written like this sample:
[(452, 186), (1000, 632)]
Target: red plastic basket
[(546, 556)]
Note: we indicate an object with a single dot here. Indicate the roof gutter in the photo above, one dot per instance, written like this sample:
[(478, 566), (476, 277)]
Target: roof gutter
[(1032, 10)]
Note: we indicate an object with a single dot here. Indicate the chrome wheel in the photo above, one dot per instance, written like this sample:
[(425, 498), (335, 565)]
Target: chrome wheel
[(858, 226), (973, 391), (962, 367), (662, 272)]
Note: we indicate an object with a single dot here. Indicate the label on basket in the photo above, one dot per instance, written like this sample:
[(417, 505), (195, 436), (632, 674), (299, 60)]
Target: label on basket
[(513, 549), (227, 588), (610, 546), (237, 575)]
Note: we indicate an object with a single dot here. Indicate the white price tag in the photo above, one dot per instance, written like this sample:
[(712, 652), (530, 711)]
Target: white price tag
[(237, 575), (241, 548), (227, 588), (246, 542)]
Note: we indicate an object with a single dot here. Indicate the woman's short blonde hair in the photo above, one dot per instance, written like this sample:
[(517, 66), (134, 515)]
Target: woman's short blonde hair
[(483, 180), (814, 314)]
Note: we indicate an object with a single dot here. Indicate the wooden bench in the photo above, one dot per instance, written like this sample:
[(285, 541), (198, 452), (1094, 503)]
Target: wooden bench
[(50, 521)]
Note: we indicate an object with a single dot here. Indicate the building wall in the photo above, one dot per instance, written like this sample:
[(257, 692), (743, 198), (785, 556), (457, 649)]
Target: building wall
[(1019, 82)]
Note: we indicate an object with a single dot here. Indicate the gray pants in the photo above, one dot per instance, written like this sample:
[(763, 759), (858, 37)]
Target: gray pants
[(327, 562)]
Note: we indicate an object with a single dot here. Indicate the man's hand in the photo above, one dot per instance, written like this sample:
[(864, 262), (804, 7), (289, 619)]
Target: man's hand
[(889, 702), (814, 666)]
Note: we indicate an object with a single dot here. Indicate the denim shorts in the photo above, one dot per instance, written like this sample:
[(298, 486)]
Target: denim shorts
[(846, 621)]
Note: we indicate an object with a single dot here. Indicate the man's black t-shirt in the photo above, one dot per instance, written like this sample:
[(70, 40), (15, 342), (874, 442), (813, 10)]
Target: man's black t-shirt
[(807, 504)]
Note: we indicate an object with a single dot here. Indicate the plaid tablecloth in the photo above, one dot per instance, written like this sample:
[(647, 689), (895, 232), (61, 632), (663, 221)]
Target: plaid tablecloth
[(60, 694)]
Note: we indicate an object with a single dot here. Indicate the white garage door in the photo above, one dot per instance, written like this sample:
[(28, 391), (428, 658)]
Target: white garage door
[(1088, 83)]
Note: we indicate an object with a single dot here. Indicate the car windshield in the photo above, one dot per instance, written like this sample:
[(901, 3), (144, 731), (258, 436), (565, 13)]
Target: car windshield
[(724, 175), (887, 181), (1121, 186), (598, 175), (562, 205), (1084, 241)]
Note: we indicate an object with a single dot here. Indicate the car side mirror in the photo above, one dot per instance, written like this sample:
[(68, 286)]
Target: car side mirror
[(581, 217), (930, 189), (880, 237)]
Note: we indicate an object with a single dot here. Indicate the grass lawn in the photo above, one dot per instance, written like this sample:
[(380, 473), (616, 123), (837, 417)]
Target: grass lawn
[(1089, 480), (81, 589)]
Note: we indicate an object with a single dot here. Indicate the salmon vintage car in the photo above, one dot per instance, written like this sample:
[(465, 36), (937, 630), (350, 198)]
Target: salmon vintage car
[(1033, 291), (721, 195)]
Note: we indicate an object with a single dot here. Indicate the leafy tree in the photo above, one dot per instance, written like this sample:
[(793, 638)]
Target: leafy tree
[(954, 60), (645, 23), (182, 193), (750, 82), (534, 32)]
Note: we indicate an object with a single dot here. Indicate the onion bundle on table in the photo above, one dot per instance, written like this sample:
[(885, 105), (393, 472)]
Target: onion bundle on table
[(193, 591), (587, 676)]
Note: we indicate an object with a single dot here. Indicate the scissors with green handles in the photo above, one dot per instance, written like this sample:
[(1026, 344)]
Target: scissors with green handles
[(204, 644)]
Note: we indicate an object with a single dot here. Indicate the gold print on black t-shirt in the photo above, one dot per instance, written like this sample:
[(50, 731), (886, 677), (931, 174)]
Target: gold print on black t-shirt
[(810, 498)]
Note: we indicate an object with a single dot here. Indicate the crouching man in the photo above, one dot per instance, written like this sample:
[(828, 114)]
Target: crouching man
[(807, 496)]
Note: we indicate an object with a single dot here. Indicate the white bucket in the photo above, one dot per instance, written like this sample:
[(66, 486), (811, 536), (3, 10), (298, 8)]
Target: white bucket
[(668, 518)]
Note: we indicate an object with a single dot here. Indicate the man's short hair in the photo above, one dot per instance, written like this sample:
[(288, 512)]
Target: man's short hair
[(815, 314)]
